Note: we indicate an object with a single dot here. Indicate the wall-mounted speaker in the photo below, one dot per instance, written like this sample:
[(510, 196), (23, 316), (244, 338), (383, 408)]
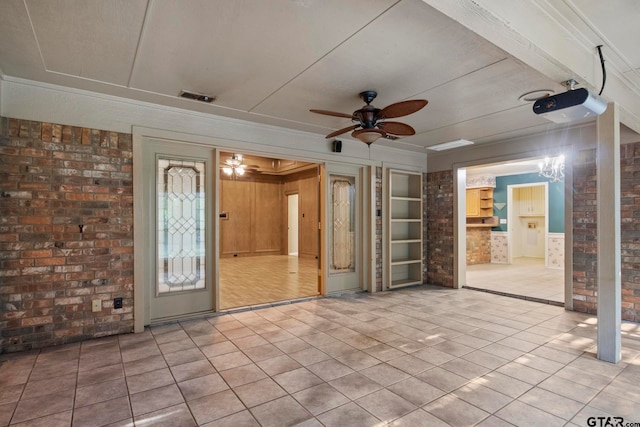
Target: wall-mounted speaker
[(337, 146)]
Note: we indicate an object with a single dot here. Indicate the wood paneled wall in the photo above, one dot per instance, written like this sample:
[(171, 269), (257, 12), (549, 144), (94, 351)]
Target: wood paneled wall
[(256, 209), (305, 184)]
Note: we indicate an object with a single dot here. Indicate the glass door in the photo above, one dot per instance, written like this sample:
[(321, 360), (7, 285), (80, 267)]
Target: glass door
[(180, 229), (342, 228)]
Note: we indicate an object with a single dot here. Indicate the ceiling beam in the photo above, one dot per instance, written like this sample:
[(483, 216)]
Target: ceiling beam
[(545, 39)]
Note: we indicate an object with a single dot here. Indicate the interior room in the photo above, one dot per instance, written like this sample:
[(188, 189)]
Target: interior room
[(268, 230), (525, 259), (157, 157)]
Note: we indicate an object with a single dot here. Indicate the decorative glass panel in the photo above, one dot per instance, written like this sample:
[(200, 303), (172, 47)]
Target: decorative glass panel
[(181, 225), (342, 239)]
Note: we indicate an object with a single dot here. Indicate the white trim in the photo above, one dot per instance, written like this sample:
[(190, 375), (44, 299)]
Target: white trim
[(29, 100)]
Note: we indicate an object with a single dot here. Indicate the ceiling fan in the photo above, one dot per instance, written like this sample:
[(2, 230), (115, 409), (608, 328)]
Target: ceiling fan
[(234, 166), (371, 122)]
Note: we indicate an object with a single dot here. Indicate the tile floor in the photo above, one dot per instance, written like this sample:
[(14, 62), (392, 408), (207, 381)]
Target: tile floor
[(422, 356), (525, 277)]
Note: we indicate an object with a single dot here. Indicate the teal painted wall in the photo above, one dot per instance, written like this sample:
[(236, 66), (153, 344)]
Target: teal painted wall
[(556, 199)]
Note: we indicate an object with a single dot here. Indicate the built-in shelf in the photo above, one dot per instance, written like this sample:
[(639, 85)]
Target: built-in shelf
[(404, 255)]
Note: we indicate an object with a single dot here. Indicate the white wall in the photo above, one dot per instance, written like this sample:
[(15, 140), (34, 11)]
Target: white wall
[(29, 100)]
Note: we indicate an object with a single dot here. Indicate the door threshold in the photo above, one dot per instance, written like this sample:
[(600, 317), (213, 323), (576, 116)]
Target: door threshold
[(233, 310)]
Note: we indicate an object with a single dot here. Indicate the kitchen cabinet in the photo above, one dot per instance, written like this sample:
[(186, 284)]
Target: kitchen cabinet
[(530, 201), (480, 202)]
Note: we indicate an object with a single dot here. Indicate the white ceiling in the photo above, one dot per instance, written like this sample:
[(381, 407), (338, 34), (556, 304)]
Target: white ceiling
[(271, 61)]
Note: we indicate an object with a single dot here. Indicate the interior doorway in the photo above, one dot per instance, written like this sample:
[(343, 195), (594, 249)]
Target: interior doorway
[(268, 230), (292, 224), (514, 232)]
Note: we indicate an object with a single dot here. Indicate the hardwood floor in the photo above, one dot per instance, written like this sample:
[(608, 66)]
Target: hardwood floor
[(257, 280)]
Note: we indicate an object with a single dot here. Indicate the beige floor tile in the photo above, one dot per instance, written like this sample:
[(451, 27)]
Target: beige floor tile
[(187, 371), (355, 385), (229, 360), (98, 375), (239, 419), (155, 399), (280, 412), (219, 348), (215, 406), (569, 389), (455, 411), (410, 364), (330, 369), (442, 379), (358, 360), (6, 412), (348, 414), (504, 384), (184, 356), (100, 392), (320, 398), (149, 380), (61, 419), (552, 403), (487, 360), (141, 366), (263, 352), (385, 405), (465, 368), (309, 356), (523, 373), (613, 404), (493, 421), (297, 379), (173, 416), (11, 393), (37, 407), (483, 397), (384, 374), (243, 375), (433, 356), (259, 392), (521, 414), (196, 388), (103, 413), (416, 391), (278, 365), (418, 418)]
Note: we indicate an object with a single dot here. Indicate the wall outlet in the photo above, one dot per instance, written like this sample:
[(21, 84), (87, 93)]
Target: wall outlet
[(96, 305), (503, 221), (117, 303)]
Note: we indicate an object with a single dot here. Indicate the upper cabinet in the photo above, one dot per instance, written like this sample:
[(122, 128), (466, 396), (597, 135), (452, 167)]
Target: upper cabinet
[(480, 202), (530, 201)]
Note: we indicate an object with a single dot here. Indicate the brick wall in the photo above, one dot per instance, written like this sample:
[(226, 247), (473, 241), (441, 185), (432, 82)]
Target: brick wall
[(585, 250), (53, 179), (630, 230), (478, 245), (438, 235)]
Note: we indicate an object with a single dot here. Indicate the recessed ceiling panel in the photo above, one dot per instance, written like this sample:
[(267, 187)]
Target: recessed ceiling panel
[(408, 50), (492, 127), (241, 51), (91, 39), (19, 54), (487, 91)]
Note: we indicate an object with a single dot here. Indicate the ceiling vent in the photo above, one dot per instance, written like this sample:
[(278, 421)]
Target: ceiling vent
[(196, 96)]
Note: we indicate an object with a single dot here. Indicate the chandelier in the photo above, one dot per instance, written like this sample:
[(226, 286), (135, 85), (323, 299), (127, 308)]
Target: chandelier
[(233, 166), (552, 168)]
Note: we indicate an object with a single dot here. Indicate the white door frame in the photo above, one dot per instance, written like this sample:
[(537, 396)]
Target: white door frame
[(292, 222), (512, 217)]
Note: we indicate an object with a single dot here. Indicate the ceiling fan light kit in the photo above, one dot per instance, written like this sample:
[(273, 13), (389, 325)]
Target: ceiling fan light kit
[(371, 120)]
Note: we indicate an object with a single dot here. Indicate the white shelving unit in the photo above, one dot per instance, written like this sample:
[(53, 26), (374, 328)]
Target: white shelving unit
[(405, 229)]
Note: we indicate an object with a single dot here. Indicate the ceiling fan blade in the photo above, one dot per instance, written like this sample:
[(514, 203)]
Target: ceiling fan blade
[(341, 131), (397, 128), (332, 113), (403, 108)]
